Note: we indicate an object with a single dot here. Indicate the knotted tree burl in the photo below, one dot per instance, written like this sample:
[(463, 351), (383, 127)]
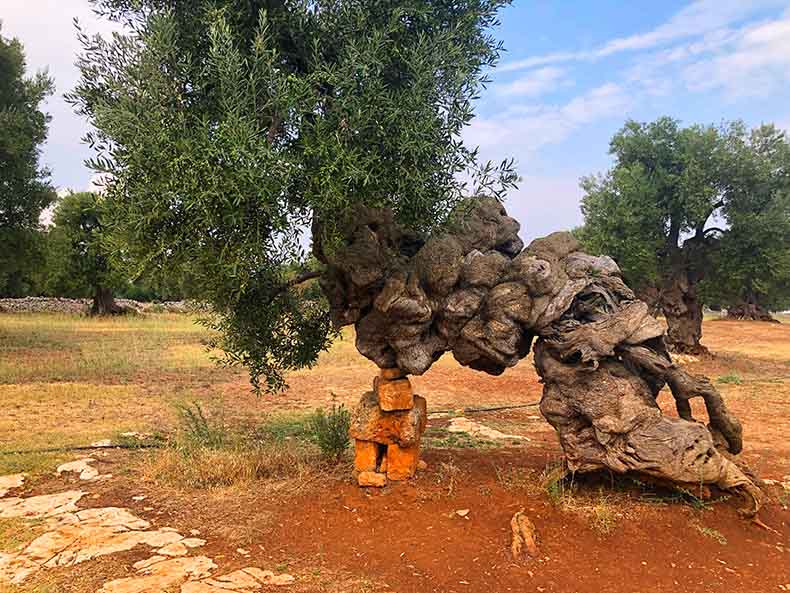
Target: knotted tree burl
[(477, 292)]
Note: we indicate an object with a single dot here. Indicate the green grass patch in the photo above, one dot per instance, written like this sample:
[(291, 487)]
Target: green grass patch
[(441, 438), (730, 378)]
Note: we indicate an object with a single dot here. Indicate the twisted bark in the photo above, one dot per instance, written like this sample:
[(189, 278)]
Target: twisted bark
[(476, 292)]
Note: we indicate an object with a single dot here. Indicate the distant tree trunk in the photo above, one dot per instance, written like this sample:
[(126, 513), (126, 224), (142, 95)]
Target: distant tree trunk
[(683, 312), (750, 310), (104, 303)]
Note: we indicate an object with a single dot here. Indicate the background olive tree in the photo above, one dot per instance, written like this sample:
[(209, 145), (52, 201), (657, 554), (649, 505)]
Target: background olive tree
[(77, 261), (24, 187), (684, 204), (229, 128)]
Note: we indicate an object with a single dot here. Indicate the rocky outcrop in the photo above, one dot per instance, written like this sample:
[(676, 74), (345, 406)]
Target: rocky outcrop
[(477, 292)]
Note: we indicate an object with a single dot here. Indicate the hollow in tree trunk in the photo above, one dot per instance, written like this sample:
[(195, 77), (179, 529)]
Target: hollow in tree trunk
[(683, 312), (104, 303)]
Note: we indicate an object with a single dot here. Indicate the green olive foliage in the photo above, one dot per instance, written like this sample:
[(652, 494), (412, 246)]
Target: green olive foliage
[(706, 202), (229, 128), (24, 187)]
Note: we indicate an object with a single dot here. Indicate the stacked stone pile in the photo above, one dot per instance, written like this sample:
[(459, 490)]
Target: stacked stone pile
[(387, 426)]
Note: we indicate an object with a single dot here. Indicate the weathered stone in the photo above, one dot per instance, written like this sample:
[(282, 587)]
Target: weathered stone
[(174, 549), (10, 482), (46, 505), (394, 395), (162, 576), (82, 467), (374, 479), (370, 423), (366, 455), (481, 431), (402, 461)]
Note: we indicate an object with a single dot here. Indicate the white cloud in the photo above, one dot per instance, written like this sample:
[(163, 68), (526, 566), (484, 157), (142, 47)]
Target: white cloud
[(524, 129), (534, 83), (698, 18), (46, 30), (544, 204), (756, 63)]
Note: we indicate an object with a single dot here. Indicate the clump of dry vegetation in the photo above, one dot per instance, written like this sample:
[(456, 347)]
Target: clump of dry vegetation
[(207, 453)]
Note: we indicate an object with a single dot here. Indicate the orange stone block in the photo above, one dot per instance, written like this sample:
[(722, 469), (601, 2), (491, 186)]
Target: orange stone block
[(390, 374), (394, 395), (365, 456), (368, 479), (402, 461)]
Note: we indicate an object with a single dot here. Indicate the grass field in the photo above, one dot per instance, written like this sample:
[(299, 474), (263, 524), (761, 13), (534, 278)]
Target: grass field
[(69, 381)]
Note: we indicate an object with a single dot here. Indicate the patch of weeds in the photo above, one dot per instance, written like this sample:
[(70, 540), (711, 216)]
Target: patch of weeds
[(554, 481), (730, 378), (441, 438), (34, 463), (330, 431), (17, 533), (197, 431), (515, 478), (712, 533), (603, 517), (284, 427), (447, 475), (207, 454)]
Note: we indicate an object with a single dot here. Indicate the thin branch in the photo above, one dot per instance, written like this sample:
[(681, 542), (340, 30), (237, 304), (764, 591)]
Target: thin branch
[(302, 278)]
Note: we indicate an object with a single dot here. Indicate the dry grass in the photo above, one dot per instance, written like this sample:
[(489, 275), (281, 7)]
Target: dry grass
[(236, 466), (69, 380)]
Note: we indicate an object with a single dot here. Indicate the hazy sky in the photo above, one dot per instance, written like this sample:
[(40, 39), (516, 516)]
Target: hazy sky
[(573, 72)]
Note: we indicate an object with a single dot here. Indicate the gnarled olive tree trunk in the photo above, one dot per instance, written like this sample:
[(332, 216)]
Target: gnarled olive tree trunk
[(476, 292), (683, 311), (104, 303)]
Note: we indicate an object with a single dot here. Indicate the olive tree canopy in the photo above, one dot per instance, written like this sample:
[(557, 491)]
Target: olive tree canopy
[(229, 128)]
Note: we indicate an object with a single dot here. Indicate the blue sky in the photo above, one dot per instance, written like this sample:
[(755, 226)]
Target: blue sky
[(573, 72)]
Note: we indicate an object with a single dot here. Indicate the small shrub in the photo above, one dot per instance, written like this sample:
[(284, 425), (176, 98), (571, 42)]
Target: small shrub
[(730, 378), (603, 516), (285, 427), (197, 430), (330, 431)]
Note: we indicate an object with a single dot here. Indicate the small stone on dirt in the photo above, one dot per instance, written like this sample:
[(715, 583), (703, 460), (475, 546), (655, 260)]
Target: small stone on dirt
[(174, 549), (462, 512), (82, 467), (372, 479)]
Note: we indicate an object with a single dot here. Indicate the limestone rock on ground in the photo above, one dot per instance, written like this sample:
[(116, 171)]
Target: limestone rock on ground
[(477, 429), (45, 505), (8, 483), (77, 535), (82, 467)]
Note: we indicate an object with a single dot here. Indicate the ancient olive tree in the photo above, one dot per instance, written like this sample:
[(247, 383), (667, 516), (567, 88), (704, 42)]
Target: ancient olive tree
[(668, 203), (227, 133), (475, 291), (750, 271), (24, 187), (228, 129), (77, 261)]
